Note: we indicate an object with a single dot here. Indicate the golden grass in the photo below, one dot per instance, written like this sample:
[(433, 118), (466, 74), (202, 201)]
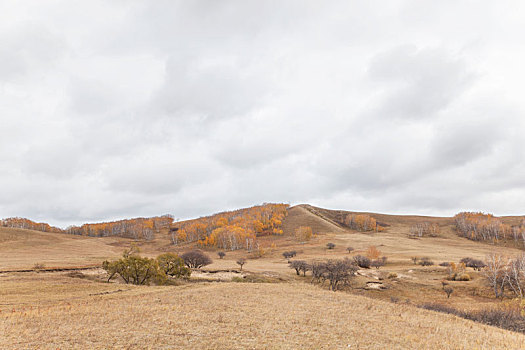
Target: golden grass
[(240, 316)]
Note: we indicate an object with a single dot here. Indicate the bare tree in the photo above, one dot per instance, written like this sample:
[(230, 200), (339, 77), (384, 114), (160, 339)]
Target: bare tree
[(196, 259), (300, 266), (241, 262), (495, 272), (448, 290), (339, 272)]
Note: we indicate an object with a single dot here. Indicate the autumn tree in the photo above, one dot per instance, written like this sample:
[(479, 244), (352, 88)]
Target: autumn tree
[(173, 265), (362, 222), (303, 233), (133, 269), (372, 252)]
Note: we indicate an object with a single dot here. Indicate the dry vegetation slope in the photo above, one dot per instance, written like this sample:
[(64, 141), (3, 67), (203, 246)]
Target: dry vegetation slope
[(234, 315), (21, 249)]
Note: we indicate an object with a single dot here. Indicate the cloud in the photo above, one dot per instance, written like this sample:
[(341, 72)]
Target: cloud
[(122, 109)]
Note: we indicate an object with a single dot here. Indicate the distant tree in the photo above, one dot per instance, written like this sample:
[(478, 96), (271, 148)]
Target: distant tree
[(414, 259), (241, 262), (448, 290), (300, 266), (372, 252), (377, 263), (196, 259), (349, 249), (290, 254), (330, 245), (303, 233), (173, 265), (221, 254)]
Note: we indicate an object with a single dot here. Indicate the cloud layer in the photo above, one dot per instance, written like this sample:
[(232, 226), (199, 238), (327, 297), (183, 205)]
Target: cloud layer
[(138, 108)]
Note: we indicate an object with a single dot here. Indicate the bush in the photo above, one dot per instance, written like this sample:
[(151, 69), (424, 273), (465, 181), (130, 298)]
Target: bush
[(221, 255), (196, 259), (173, 265), (425, 262), (362, 261), (444, 264), (330, 245), (391, 275)]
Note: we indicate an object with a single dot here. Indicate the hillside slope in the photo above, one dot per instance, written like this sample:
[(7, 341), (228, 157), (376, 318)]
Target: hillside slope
[(241, 316)]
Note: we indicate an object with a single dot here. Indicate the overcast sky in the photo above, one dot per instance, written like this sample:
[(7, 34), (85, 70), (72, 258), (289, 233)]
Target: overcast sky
[(116, 109)]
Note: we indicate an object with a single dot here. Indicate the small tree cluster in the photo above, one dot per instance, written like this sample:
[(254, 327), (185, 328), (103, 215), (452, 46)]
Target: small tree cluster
[(481, 226), (377, 263), (456, 272), (424, 229), (502, 272), (362, 222)]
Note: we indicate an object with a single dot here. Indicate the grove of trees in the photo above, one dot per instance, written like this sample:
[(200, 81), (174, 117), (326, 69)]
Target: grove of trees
[(234, 229), (362, 222)]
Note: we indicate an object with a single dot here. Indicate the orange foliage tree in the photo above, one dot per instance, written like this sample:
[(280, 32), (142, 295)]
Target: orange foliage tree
[(362, 222), (481, 227), (29, 225), (234, 229)]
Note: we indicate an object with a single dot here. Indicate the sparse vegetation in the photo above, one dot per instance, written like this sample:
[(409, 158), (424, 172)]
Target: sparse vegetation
[(425, 261)]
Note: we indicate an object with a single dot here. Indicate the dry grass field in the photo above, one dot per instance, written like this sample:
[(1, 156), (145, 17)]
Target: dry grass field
[(239, 316), (77, 309)]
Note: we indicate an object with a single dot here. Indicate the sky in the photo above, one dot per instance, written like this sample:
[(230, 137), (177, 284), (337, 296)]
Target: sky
[(119, 109)]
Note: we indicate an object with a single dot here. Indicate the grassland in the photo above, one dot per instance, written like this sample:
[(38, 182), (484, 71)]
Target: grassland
[(64, 309)]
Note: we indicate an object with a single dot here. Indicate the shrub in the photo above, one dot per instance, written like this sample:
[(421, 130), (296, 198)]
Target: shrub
[(221, 255), (362, 261), (425, 262), (241, 262), (330, 245), (444, 264), (196, 259), (448, 290), (173, 265), (391, 275)]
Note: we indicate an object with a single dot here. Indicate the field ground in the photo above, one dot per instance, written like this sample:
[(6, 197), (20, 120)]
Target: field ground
[(76, 309)]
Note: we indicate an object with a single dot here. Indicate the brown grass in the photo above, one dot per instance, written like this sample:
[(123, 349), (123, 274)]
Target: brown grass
[(232, 315)]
